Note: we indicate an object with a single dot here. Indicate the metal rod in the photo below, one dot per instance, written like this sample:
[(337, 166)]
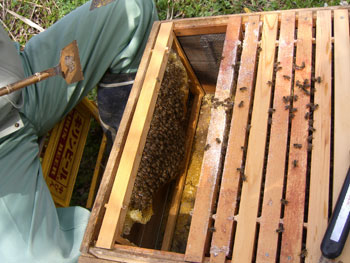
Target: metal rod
[(29, 81)]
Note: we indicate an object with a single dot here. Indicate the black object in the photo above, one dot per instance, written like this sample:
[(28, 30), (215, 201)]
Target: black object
[(338, 229), (112, 95)]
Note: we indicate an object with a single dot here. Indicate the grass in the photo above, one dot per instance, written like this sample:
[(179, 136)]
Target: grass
[(46, 12), (194, 8)]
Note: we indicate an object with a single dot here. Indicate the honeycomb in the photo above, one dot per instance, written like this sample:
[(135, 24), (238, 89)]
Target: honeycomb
[(164, 151)]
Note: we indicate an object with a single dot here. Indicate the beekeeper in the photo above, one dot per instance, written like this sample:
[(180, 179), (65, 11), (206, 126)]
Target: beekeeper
[(110, 38)]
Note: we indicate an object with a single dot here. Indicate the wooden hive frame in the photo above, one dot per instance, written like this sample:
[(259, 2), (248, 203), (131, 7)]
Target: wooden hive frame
[(271, 187)]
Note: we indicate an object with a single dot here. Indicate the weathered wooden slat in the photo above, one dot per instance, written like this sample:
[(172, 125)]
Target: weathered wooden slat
[(222, 236), (136, 255), (120, 196), (341, 108), (297, 168), (92, 259), (127, 254), (271, 209), (103, 193), (212, 159), (320, 157), (246, 226)]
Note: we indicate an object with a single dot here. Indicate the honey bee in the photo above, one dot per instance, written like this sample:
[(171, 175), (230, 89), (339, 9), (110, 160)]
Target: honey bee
[(212, 229), (240, 105), (213, 99), (303, 253), (284, 201), (302, 66), (309, 147), (295, 163), (286, 99), (206, 148), (277, 66), (317, 79), (286, 77), (309, 138), (306, 83), (297, 145), (271, 110), (312, 129), (280, 229), (248, 127), (278, 69), (217, 140)]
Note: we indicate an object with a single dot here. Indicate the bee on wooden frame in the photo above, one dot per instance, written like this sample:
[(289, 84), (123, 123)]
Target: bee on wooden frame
[(280, 229), (271, 110), (302, 66), (284, 201), (297, 145), (286, 77), (295, 163), (303, 253)]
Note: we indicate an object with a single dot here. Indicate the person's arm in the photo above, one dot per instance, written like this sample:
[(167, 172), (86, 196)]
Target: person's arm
[(109, 37), (11, 70)]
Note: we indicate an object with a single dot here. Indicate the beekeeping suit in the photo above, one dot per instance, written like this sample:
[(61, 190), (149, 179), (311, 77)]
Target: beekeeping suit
[(109, 37)]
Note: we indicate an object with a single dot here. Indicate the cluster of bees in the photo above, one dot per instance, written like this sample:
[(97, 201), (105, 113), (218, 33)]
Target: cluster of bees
[(306, 87), (165, 144)]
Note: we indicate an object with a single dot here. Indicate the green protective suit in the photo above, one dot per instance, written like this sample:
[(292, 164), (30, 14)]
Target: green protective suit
[(109, 37)]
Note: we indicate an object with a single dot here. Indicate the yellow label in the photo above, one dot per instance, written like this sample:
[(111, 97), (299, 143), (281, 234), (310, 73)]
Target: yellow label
[(63, 155)]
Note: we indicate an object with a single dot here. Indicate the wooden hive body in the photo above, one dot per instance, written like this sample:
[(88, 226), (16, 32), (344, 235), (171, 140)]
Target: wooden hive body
[(273, 165)]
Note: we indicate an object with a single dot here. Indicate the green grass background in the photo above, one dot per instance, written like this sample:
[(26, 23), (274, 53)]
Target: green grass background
[(46, 12)]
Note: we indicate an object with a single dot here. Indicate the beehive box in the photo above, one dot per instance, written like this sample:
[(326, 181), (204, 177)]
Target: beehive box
[(272, 167)]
